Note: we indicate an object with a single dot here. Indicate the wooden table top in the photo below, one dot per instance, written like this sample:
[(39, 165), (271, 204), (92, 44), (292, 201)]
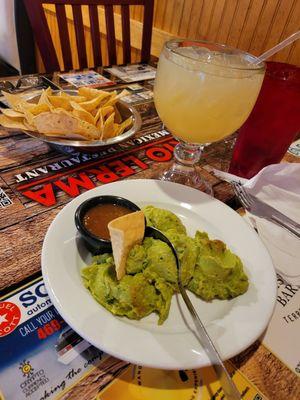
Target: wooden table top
[(36, 182)]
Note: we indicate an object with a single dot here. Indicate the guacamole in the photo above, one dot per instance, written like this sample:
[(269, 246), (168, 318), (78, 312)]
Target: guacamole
[(218, 272), (208, 269)]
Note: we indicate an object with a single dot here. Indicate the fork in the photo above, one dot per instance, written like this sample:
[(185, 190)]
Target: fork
[(263, 210)]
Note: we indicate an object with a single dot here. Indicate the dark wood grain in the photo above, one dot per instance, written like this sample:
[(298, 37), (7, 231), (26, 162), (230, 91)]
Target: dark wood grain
[(20, 149), (147, 30), (24, 223), (126, 34), (88, 388), (44, 41), (20, 247), (110, 34), (42, 34), (95, 34), (64, 36), (79, 33), (114, 2), (268, 373)]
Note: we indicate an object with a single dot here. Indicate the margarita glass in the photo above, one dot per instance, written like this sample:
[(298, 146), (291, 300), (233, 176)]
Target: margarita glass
[(203, 93)]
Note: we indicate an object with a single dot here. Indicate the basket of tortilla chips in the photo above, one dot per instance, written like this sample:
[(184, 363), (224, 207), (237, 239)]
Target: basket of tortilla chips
[(87, 117)]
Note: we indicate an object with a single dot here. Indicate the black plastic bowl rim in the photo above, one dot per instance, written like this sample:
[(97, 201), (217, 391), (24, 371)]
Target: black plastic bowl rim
[(94, 201)]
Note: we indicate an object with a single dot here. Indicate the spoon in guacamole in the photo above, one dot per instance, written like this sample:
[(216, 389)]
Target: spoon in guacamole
[(228, 386)]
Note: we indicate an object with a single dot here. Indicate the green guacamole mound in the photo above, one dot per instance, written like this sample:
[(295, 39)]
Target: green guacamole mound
[(163, 219), (134, 296), (218, 272), (208, 269)]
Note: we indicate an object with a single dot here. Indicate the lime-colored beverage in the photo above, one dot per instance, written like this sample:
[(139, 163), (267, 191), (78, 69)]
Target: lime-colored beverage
[(204, 95)]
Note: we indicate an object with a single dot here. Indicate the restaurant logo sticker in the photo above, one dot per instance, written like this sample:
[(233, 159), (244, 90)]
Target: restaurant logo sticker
[(77, 174), (26, 368), (10, 316), (33, 379)]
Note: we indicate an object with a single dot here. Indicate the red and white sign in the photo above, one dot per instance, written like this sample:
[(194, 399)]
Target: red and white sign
[(10, 316)]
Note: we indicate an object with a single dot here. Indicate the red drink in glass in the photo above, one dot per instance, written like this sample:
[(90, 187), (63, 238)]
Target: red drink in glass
[(273, 123)]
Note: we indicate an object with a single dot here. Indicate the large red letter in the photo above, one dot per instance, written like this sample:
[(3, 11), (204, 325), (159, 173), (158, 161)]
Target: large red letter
[(44, 196), (73, 185), (104, 174), (121, 169), (159, 154), (136, 161)]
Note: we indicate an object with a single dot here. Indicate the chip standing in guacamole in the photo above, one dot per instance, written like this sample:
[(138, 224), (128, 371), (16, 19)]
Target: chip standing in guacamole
[(209, 270)]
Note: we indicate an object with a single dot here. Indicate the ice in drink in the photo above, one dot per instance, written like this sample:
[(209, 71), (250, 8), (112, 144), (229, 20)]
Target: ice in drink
[(203, 96)]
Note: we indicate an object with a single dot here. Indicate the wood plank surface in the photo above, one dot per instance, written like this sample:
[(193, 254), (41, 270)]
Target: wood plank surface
[(251, 25), (23, 224)]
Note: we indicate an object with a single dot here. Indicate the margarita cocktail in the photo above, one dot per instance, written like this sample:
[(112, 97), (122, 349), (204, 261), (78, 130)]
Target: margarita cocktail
[(203, 93)]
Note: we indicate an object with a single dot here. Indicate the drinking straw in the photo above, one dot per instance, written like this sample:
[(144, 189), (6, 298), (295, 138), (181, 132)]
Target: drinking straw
[(278, 47)]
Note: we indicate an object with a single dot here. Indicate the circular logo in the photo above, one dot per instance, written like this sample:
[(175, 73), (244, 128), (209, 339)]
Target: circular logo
[(10, 316), (26, 368)]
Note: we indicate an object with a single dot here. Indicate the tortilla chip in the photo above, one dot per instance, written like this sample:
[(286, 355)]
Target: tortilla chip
[(125, 232), (55, 123), (60, 102), (15, 101), (29, 118), (38, 108), (118, 118), (94, 103), (44, 97), (106, 111), (125, 124), (29, 127), (81, 113), (12, 113), (116, 130), (99, 125), (89, 93), (116, 97), (89, 131), (85, 116), (108, 127), (91, 115), (112, 100), (11, 123), (77, 99)]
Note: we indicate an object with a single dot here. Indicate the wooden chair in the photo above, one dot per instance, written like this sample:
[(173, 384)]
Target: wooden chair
[(45, 44)]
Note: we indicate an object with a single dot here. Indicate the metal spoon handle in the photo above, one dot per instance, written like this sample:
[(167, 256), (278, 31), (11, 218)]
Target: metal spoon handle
[(227, 384)]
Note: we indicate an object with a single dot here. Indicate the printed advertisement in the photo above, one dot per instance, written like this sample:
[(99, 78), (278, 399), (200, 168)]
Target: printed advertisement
[(139, 383), (41, 356), (86, 78), (285, 323), (133, 73)]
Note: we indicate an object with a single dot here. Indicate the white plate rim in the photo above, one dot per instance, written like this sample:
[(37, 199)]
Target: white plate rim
[(155, 362)]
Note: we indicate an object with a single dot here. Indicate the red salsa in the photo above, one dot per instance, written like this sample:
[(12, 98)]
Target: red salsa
[(98, 217)]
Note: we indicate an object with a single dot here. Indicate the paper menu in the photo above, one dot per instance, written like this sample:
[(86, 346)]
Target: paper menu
[(285, 323), (86, 78), (133, 73)]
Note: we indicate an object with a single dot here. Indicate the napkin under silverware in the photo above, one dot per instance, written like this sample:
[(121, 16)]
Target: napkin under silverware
[(279, 186)]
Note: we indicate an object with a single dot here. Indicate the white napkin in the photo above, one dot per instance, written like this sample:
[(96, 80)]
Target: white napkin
[(279, 186)]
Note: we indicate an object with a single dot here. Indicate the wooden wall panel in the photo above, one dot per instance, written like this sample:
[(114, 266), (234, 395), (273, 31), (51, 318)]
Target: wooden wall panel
[(251, 25)]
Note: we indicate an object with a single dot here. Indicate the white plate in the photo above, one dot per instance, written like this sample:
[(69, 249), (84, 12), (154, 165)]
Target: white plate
[(233, 325)]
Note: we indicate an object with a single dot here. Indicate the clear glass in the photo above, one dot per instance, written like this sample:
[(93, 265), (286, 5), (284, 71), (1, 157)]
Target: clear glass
[(203, 93)]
